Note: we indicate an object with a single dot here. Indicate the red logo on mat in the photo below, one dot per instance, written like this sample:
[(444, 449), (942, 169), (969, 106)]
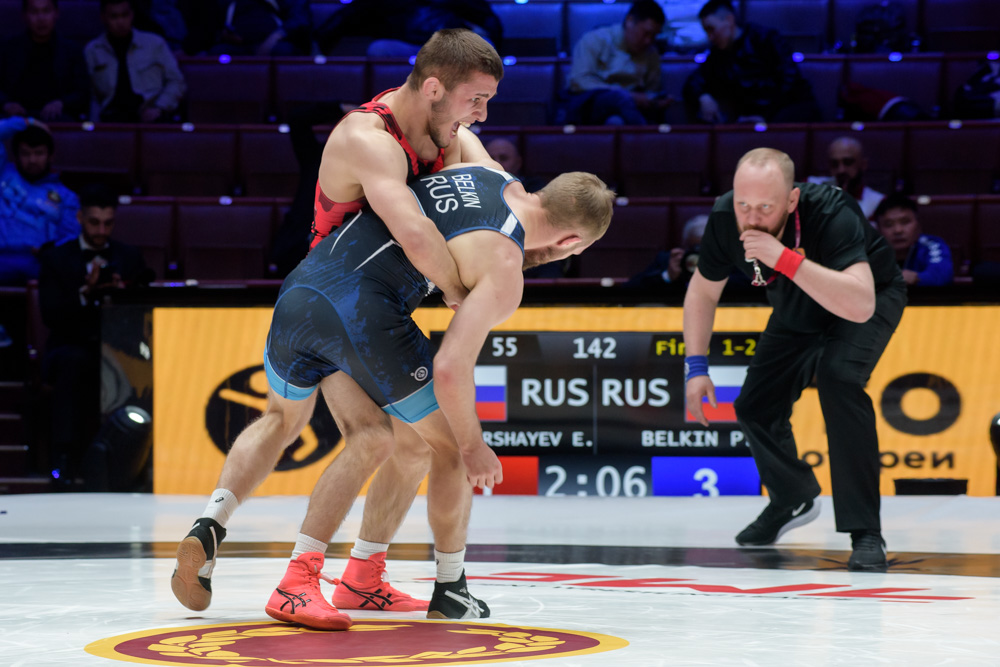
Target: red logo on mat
[(373, 643)]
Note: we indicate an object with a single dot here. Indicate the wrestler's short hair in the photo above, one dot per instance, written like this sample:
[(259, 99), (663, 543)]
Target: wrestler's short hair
[(761, 157), (453, 56), (580, 201)]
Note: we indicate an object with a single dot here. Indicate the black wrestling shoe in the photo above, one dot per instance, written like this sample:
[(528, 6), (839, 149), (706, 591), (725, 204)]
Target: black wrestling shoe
[(192, 578), (453, 600), (775, 521), (869, 552)]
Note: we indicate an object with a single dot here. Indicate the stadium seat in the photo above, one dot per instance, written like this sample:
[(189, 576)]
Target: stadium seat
[(549, 153), (802, 23), (916, 76), (988, 229), (957, 70), (961, 25), (11, 21), (387, 74), (234, 91), (637, 232), (524, 96), (846, 12), (531, 29), (951, 217), (683, 209), (825, 73), (731, 142), (103, 153), (660, 164), (959, 159), (79, 20), (674, 73), (148, 223), (188, 163), (220, 241), (267, 163), (298, 81)]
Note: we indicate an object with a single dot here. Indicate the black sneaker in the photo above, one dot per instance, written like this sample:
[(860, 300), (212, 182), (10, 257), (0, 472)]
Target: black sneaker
[(454, 601), (869, 552), (192, 578), (775, 521)]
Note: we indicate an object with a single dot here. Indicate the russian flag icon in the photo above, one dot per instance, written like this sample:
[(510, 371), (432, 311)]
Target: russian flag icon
[(728, 381), (491, 393)]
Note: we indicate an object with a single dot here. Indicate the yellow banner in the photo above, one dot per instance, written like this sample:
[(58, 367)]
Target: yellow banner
[(934, 391)]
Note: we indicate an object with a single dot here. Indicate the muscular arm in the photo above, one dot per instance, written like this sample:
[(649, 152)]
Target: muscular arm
[(700, 302), (495, 296), (849, 293), (379, 166)]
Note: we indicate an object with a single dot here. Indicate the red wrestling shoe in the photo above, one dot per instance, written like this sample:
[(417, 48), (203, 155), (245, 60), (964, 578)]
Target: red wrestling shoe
[(364, 586), (298, 598)]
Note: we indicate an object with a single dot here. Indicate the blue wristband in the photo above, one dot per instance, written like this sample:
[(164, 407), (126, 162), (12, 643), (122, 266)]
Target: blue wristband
[(695, 365)]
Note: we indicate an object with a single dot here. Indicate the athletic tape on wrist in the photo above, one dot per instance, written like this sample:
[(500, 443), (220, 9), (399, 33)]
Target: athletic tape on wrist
[(789, 262), (695, 365)]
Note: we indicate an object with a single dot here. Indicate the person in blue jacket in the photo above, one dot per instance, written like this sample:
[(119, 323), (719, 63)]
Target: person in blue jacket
[(35, 207), (924, 259)]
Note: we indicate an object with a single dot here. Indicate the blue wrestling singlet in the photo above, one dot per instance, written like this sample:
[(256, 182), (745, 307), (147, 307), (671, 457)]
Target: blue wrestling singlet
[(348, 305)]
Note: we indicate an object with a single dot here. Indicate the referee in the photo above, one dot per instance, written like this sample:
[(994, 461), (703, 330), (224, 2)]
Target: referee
[(837, 296)]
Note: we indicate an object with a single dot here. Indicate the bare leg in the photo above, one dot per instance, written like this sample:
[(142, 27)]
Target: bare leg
[(252, 457), (395, 485), (369, 442), (449, 494), (260, 445)]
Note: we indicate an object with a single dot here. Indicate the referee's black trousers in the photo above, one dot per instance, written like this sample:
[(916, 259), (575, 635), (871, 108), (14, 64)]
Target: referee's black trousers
[(841, 358)]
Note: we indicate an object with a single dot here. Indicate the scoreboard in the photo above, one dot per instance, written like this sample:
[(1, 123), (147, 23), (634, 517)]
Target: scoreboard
[(604, 412)]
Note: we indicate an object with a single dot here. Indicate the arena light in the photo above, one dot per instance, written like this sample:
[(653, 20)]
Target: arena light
[(895, 57)]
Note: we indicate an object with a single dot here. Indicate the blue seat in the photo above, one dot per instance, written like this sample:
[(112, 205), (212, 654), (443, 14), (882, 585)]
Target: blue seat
[(655, 164), (802, 23), (388, 74), (302, 81), (916, 76), (268, 167), (148, 223), (224, 242), (178, 163), (532, 24), (550, 153), (236, 91), (524, 96)]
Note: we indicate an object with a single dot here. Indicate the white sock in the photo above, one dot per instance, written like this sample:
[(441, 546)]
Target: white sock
[(364, 550), (221, 506), (305, 544), (449, 566)]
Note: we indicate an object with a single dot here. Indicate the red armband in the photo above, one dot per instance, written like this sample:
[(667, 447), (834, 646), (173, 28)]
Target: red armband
[(788, 263)]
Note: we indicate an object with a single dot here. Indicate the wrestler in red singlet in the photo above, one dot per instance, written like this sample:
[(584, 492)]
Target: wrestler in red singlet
[(329, 214)]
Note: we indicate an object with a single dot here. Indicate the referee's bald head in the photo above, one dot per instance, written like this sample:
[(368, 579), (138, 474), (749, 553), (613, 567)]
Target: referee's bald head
[(762, 158)]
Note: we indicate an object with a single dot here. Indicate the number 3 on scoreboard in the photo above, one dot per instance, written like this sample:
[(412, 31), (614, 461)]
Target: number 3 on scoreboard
[(596, 349), (708, 478)]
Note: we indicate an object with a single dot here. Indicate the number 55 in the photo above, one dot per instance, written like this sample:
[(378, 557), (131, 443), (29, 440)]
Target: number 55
[(504, 346)]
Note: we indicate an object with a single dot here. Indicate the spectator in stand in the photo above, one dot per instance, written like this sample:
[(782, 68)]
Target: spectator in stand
[(505, 152), (979, 97), (76, 276), (867, 104), (924, 259), (248, 27), (615, 77), (748, 76), (35, 207), (675, 267), (41, 74), (134, 76), (847, 171)]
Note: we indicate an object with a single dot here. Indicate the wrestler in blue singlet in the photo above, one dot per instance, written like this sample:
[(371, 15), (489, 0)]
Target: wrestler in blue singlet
[(348, 305)]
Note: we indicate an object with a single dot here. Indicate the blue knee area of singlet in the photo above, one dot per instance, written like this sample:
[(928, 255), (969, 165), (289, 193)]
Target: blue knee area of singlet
[(284, 388), (414, 407)]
